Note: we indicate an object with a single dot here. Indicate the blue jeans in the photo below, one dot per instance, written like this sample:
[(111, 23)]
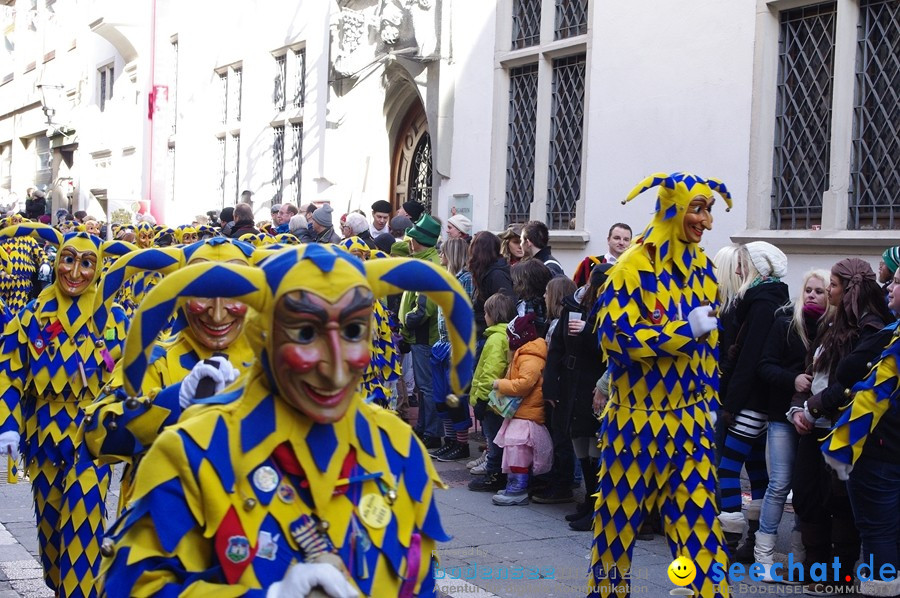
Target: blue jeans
[(782, 443), (491, 425), (874, 488), (429, 423)]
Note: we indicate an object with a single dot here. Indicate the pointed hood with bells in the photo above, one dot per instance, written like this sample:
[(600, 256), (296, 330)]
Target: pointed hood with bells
[(326, 271), (665, 231)]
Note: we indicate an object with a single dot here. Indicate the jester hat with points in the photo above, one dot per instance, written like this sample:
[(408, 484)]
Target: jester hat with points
[(665, 231), (323, 270)]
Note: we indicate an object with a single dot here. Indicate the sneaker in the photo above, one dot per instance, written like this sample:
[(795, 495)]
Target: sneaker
[(551, 496), (478, 461), (445, 448), (479, 469), (502, 499), (491, 482), (457, 452), (431, 442)]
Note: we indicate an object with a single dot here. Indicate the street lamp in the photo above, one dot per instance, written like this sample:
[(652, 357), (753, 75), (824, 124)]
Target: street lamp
[(51, 101)]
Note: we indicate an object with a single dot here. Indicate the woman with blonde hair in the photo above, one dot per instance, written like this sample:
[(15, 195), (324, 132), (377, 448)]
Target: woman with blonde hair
[(783, 367)]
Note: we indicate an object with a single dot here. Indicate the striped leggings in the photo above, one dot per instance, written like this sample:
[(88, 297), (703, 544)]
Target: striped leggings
[(744, 446)]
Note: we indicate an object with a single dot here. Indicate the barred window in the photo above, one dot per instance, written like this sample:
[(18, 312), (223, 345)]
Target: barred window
[(223, 96), (566, 132), (526, 23), (520, 143), (299, 78), (278, 93), (420, 174), (220, 169), (571, 18), (278, 163), (296, 161), (106, 77), (875, 165), (232, 163), (235, 86), (803, 115)]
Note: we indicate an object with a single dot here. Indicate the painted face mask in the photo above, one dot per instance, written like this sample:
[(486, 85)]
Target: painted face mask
[(145, 234), (92, 227), (312, 325), (75, 270)]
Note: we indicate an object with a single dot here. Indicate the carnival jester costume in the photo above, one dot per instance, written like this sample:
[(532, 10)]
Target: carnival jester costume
[(657, 330), (117, 430), (55, 361), (23, 257), (264, 491)]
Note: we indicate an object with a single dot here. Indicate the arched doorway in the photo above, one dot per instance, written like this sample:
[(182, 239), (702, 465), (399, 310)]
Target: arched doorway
[(412, 165)]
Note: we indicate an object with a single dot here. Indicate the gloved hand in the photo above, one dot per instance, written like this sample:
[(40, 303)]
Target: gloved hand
[(713, 418), (702, 321), (44, 272), (9, 444), (841, 469), (301, 578), (218, 368)]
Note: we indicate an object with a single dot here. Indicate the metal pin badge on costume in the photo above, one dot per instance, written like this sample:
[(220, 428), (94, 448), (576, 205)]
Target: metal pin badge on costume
[(374, 512), (286, 493), (265, 478)]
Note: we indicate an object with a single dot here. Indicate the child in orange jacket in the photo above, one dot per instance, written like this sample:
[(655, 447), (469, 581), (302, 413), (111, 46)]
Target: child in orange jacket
[(526, 442)]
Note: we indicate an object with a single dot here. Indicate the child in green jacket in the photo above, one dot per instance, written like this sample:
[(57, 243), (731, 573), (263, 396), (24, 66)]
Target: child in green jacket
[(499, 309)]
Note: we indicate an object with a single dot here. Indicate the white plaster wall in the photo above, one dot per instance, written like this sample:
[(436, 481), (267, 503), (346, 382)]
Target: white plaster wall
[(669, 93)]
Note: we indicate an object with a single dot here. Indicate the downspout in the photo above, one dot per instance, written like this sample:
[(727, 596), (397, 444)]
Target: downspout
[(155, 210)]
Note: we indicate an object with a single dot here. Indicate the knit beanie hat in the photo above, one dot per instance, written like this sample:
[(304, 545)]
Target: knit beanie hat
[(891, 258), (323, 215), (463, 224), (414, 209), (400, 223), (521, 330), (768, 259), (381, 206)]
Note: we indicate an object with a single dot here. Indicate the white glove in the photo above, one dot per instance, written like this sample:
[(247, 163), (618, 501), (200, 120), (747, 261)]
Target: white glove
[(301, 578), (702, 321), (217, 367), (713, 418), (841, 469), (44, 272), (9, 444)]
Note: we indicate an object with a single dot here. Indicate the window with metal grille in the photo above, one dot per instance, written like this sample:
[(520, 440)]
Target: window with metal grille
[(278, 162), (278, 92), (296, 161), (566, 132), (875, 163), (526, 24), (235, 86), (220, 170), (571, 18), (521, 143), (106, 77), (420, 174), (223, 95), (232, 154), (43, 175), (803, 116), (299, 78)]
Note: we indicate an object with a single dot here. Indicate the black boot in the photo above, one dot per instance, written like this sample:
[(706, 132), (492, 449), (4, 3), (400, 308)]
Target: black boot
[(732, 539), (582, 509), (744, 552), (584, 524)]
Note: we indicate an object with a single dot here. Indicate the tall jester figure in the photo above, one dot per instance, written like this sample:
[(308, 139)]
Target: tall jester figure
[(658, 329), (297, 483), (55, 361)]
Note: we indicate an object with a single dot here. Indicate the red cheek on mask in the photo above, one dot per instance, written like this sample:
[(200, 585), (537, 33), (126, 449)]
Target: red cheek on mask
[(298, 359), (358, 358), (236, 309), (196, 308)]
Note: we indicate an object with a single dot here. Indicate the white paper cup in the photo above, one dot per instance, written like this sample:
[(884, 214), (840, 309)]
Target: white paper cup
[(574, 316)]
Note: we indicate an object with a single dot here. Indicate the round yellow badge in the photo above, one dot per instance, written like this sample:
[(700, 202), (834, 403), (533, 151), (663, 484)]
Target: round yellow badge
[(374, 512)]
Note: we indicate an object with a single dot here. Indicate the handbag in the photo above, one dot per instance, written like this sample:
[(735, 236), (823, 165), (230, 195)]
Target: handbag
[(504, 405)]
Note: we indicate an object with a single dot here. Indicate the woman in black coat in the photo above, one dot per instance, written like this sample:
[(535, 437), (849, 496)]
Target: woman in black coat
[(490, 273), (574, 364)]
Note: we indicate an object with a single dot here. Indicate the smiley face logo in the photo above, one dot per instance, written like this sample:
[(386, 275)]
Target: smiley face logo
[(682, 571)]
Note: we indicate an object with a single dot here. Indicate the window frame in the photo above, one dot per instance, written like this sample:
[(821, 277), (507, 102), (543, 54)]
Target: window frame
[(543, 53), (106, 75), (833, 231), (227, 133)]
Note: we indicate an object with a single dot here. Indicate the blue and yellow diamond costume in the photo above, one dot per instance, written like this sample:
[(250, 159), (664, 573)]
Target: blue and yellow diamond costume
[(55, 363), (22, 256), (657, 435), (266, 469), (119, 430)]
